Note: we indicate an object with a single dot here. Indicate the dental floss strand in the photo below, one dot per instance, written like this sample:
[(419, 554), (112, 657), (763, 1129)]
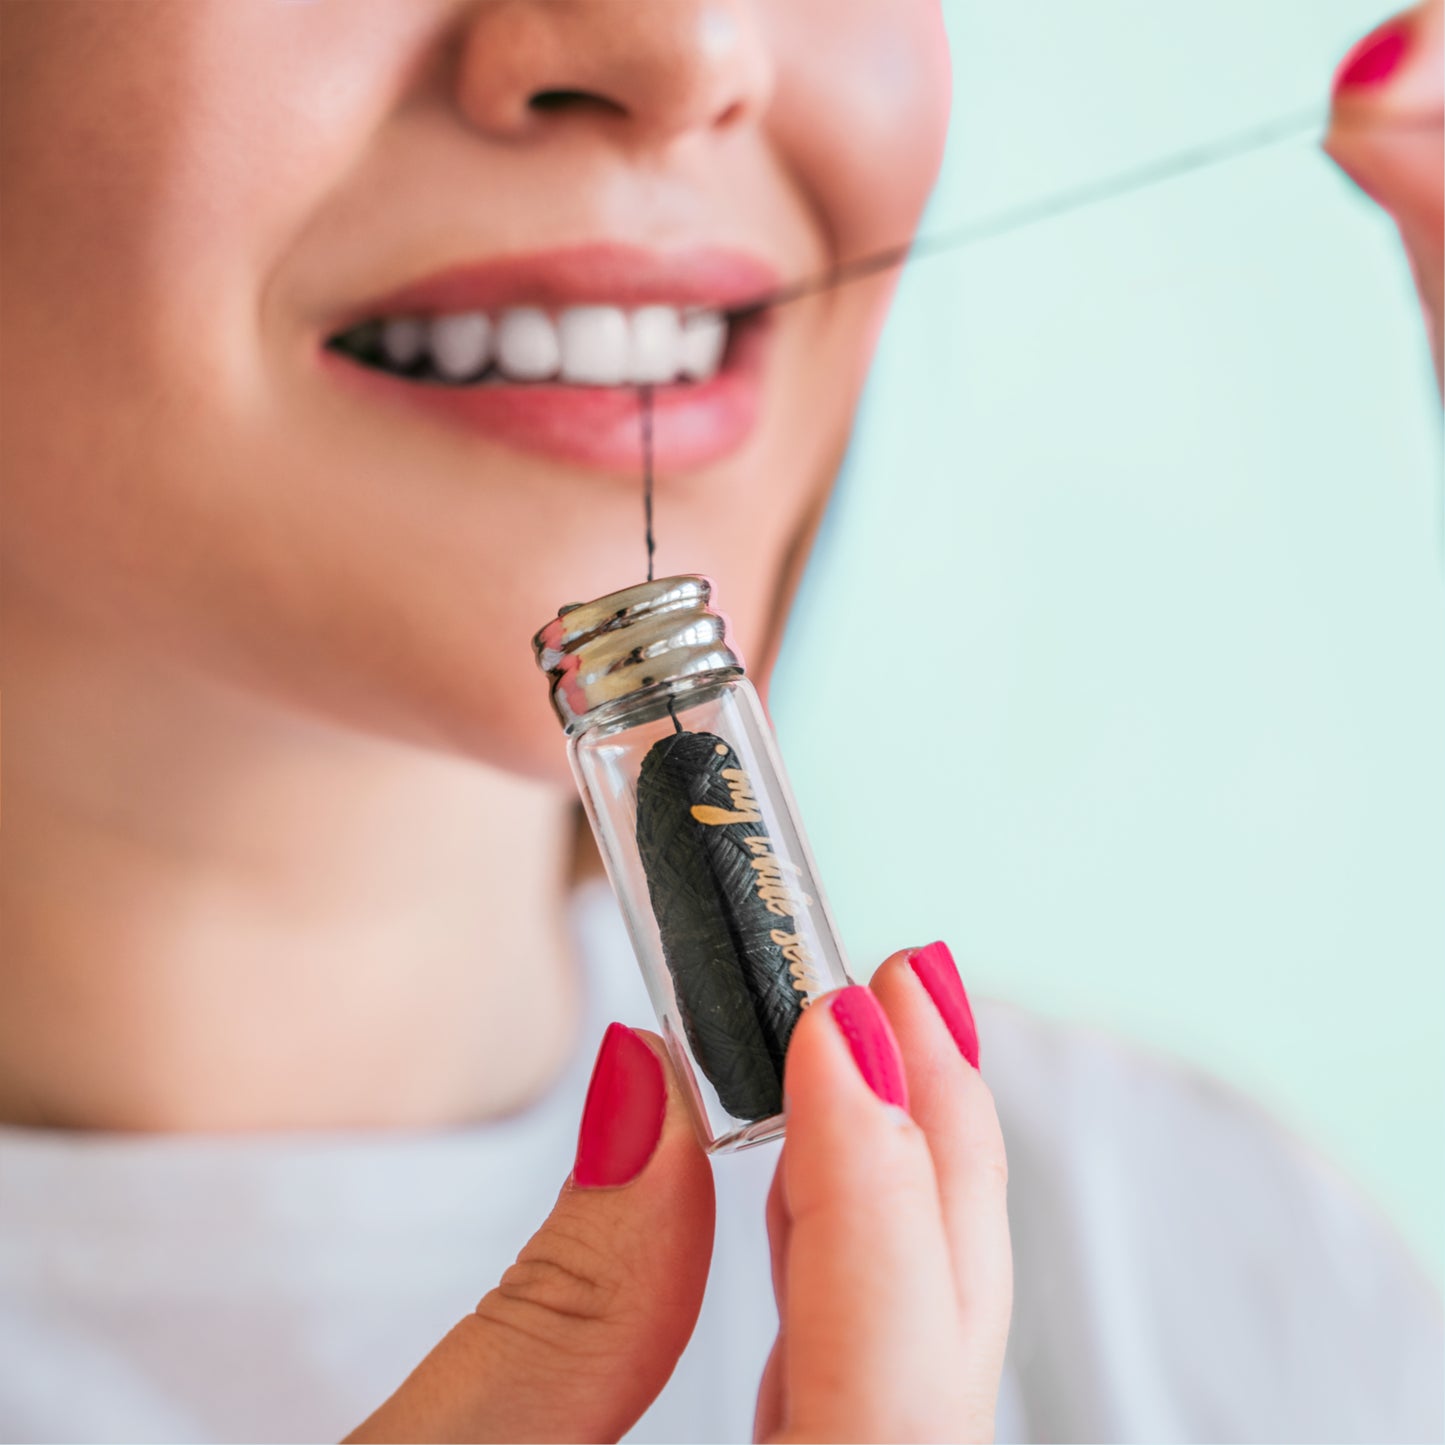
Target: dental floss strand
[(1293, 126), (644, 416)]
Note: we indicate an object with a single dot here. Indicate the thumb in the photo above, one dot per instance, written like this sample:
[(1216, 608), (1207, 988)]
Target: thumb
[(1387, 132), (583, 1331)]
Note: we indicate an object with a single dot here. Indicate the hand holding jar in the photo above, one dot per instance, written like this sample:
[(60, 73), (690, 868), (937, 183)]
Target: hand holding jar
[(888, 1229)]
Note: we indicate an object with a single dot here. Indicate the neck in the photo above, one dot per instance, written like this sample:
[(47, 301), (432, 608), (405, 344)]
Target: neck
[(219, 915)]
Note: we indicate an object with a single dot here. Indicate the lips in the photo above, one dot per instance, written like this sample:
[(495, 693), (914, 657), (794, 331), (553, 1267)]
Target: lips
[(547, 352)]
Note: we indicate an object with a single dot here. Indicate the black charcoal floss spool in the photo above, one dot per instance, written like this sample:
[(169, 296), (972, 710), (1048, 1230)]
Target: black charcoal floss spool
[(680, 777)]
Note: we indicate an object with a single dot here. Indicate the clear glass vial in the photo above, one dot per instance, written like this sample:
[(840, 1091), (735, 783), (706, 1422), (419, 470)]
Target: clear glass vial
[(683, 787)]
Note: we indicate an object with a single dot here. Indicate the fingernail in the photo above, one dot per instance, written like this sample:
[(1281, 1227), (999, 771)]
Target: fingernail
[(622, 1118), (938, 974), (870, 1038), (1375, 59)]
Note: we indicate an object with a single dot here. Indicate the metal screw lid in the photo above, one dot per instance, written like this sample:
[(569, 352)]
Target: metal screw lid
[(626, 642)]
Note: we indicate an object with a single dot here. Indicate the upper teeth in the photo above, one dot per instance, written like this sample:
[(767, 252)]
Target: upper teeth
[(404, 340), (583, 345), (460, 345)]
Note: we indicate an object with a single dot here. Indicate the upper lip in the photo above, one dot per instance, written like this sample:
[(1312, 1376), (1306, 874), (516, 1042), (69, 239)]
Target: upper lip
[(607, 273)]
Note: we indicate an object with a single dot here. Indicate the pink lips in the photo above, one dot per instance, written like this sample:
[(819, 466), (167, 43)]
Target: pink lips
[(693, 423)]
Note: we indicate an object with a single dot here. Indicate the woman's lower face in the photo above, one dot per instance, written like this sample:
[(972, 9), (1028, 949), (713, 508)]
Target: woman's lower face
[(325, 322), (246, 571)]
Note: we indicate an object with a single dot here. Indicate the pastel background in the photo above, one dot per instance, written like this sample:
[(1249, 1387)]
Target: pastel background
[(1130, 605)]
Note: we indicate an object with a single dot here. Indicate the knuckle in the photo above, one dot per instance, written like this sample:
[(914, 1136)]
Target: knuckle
[(564, 1293)]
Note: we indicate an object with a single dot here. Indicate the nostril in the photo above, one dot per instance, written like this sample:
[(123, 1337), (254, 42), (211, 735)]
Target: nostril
[(731, 115), (551, 101)]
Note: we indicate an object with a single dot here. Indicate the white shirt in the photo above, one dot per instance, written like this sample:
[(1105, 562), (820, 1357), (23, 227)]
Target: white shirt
[(1184, 1270)]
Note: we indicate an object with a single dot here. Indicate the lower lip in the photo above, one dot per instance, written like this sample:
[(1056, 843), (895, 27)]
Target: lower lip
[(693, 423)]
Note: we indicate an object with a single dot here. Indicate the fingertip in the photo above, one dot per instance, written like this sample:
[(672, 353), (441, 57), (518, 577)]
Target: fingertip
[(843, 1063), (1371, 63), (623, 1113), (636, 1126), (641, 1188), (1386, 112), (865, 1028), (939, 976), (939, 1040)]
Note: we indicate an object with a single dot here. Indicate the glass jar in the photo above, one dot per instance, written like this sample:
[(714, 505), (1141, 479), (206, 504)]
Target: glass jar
[(681, 780)]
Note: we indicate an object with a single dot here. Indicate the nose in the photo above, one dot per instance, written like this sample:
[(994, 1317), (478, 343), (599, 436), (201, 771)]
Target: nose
[(649, 71)]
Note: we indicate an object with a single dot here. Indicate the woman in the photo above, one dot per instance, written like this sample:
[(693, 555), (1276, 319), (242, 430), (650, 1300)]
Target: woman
[(292, 977)]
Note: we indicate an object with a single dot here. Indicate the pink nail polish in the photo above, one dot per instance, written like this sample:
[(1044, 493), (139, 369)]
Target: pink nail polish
[(863, 1023), (1375, 59), (938, 974), (622, 1118)]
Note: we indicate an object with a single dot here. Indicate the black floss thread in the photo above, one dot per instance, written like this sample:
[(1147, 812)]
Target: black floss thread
[(644, 416), (1294, 126)]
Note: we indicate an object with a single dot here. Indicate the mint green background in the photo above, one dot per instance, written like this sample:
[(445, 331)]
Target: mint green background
[(1120, 665)]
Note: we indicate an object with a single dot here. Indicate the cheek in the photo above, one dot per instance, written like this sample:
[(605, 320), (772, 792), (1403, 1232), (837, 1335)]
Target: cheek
[(164, 477), (154, 185), (861, 111), (153, 180)]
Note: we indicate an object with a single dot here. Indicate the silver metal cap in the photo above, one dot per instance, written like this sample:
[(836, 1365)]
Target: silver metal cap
[(598, 652)]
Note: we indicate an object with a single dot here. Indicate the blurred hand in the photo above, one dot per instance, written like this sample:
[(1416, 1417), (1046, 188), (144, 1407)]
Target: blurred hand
[(889, 1242), (1397, 73)]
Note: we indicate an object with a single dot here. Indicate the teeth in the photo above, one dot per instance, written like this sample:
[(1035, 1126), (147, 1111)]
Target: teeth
[(595, 344), (704, 336), (461, 345), (527, 345), (583, 346), (403, 339), (656, 345)]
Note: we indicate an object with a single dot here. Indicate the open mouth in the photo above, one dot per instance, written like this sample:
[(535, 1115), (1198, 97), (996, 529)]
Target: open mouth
[(589, 345), (545, 352)]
